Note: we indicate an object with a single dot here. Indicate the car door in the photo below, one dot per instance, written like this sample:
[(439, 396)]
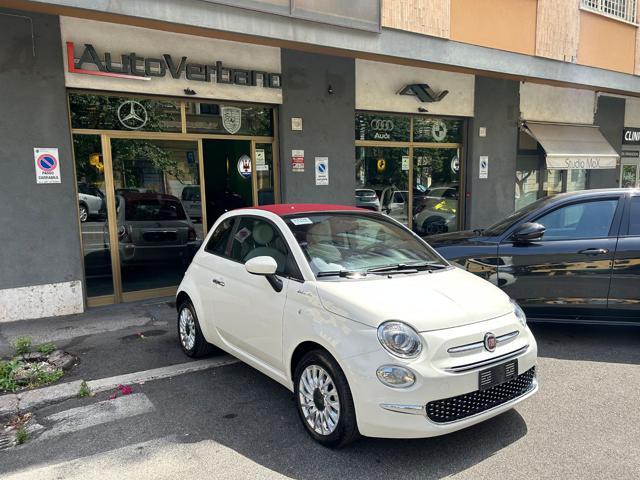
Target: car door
[(565, 274), (247, 310), (624, 293)]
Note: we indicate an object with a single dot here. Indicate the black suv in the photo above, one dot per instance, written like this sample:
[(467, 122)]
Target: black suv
[(570, 257)]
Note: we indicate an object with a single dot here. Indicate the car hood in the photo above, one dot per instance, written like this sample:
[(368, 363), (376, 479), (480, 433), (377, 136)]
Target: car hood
[(426, 301)]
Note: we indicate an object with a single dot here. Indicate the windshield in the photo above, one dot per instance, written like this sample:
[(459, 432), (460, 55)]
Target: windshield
[(502, 226), (354, 242), (161, 208)]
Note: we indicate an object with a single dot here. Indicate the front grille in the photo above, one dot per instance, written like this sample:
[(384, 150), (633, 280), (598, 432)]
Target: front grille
[(463, 406)]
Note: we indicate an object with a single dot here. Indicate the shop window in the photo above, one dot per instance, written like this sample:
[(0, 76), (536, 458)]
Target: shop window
[(158, 210), (108, 112), (436, 193), (385, 172), (229, 119), (92, 208), (436, 130), (384, 128)]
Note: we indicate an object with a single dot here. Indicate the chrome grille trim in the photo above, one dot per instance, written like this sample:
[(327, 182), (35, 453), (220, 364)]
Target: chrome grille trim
[(476, 345), (487, 362)]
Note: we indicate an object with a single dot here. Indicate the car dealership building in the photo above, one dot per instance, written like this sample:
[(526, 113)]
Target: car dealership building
[(129, 127)]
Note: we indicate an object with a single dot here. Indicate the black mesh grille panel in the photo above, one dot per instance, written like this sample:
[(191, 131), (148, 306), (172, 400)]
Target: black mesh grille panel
[(462, 406)]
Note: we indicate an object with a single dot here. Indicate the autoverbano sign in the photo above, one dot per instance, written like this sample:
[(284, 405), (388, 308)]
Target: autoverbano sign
[(136, 67), (631, 136)]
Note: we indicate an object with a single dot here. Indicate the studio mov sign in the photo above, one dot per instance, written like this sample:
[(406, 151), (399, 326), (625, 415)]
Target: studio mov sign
[(86, 60), (581, 163)]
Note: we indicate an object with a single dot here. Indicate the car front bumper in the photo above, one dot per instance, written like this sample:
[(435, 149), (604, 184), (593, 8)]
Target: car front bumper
[(423, 409)]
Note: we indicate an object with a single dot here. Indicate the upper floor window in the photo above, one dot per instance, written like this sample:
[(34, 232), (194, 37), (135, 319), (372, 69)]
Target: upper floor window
[(620, 9)]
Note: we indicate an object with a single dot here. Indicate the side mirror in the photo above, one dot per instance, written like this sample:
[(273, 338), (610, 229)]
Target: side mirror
[(261, 266), (528, 232), (265, 266)]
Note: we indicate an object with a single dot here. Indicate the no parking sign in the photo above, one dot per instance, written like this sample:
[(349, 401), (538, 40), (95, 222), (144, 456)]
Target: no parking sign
[(47, 165)]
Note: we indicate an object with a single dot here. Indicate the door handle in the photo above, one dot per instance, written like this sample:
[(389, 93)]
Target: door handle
[(218, 281), (594, 251)]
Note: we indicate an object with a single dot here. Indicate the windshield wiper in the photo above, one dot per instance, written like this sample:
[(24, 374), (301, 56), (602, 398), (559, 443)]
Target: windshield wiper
[(341, 273), (398, 267), (479, 231)]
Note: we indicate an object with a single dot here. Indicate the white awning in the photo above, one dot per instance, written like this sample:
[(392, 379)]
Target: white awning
[(573, 146)]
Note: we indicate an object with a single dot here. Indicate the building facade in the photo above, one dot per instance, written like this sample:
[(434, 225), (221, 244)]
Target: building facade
[(129, 127)]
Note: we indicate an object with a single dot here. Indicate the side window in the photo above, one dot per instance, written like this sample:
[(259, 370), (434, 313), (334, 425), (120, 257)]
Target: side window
[(580, 220), (634, 217), (220, 238), (255, 237)]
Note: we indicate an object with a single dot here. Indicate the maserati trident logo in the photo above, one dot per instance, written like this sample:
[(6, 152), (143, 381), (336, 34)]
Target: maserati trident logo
[(132, 115), (231, 119), (490, 341)]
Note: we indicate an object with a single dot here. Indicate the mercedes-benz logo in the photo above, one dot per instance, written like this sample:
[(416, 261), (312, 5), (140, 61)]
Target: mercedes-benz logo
[(132, 115)]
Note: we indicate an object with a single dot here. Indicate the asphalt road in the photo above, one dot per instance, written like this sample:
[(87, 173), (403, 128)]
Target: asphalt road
[(233, 422)]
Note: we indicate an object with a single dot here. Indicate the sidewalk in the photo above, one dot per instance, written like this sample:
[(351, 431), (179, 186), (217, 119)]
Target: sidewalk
[(109, 341)]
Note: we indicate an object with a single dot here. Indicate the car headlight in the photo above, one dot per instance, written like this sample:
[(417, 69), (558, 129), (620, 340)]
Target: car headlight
[(400, 339), (518, 312)]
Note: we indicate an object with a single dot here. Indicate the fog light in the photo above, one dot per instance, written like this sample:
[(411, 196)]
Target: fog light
[(395, 376)]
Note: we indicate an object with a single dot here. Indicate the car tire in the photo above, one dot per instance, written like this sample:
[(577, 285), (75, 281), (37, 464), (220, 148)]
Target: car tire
[(310, 399), (190, 336), (434, 225), (83, 212)]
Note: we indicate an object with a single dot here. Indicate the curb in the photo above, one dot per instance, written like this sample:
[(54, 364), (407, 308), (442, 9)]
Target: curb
[(14, 403)]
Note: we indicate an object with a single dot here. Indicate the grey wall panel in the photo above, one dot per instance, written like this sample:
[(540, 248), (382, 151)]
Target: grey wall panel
[(610, 117), (39, 233), (328, 126), (497, 109)]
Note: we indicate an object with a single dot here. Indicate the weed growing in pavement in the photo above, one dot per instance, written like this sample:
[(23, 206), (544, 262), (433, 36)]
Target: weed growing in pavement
[(22, 436), (16, 374), (47, 348), (8, 371), (85, 391), (41, 376), (22, 345)]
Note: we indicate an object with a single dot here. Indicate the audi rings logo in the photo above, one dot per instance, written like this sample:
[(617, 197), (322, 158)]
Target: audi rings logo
[(381, 125), (132, 115)]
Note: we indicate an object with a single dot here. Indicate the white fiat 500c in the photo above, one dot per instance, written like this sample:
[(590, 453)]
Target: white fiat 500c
[(372, 330)]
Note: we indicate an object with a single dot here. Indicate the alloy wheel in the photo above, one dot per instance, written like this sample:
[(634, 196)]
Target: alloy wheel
[(319, 401), (187, 329), (84, 214)]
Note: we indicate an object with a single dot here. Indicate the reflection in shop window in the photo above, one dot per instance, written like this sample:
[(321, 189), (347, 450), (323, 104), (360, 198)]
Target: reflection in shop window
[(92, 208), (109, 112), (383, 172), (229, 119), (382, 128), (436, 196), (159, 211), (437, 130)]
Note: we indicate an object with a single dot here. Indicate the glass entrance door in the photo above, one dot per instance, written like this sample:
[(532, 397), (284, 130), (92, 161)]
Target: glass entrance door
[(158, 211)]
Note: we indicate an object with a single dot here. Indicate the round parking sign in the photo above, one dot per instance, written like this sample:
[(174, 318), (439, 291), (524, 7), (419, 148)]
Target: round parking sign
[(47, 162)]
